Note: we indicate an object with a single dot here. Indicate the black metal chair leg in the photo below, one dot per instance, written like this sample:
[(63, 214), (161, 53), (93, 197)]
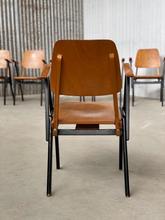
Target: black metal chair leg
[(41, 98), (12, 92), (47, 104), (125, 157), (20, 87), (5, 86), (57, 152), (163, 95), (49, 165), (133, 93), (120, 152), (162, 92), (82, 98), (93, 98)]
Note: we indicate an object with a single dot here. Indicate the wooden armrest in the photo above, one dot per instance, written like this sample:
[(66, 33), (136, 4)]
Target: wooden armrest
[(128, 70), (44, 61), (45, 71), (9, 61), (123, 60), (130, 60), (15, 61)]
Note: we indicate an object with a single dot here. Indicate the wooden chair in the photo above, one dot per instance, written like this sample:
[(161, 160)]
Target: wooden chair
[(6, 77), (34, 60), (87, 68), (150, 59)]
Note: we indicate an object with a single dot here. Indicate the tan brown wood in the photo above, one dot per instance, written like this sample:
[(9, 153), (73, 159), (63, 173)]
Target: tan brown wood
[(128, 70), (33, 59), (4, 55), (147, 58), (85, 67), (147, 77), (86, 113)]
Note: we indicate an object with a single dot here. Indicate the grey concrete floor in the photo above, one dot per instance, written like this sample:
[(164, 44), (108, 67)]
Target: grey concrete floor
[(89, 186)]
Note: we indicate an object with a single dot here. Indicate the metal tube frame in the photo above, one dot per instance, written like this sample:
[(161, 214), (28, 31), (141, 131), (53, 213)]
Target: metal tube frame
[(123, 138)]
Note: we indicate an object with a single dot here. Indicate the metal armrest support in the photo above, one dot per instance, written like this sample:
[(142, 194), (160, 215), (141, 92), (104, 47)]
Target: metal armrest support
[(48, 100), (16, 67), (121, 92), (130, 61), (126, 102), (9, 61), (44, 61), (163, 75)]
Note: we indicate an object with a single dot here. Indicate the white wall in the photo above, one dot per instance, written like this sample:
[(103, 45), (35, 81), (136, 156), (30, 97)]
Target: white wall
[(132, 24)]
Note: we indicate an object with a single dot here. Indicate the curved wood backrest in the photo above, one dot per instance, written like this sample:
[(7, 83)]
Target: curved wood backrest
[(87, 68), (4, 55), (33, 59), (147, 58)]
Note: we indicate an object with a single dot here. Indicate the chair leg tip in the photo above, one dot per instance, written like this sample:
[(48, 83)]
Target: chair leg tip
[(127, 194), (49, 194)]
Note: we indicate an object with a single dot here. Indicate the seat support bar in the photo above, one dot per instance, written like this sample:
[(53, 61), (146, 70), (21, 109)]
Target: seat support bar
[(86, 132)]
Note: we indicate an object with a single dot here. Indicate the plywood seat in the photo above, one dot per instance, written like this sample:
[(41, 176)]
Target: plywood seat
[(29, 77), (86, 113), (147, 77)]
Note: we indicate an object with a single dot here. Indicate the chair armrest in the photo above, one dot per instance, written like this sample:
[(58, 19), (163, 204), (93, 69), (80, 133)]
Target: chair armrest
[(128, 70), (44, 61), (130, 61), (46, 71), (126, 100), (163, 74), (16, 67), (48, 100), (9, 61), (15, 61)]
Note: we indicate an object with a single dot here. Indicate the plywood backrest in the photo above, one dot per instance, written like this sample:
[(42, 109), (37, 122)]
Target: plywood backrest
[(4, 55), (33, 59), (147, 58), (88, 67)]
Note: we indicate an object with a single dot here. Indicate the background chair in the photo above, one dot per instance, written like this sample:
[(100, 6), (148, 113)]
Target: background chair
[(150, 59), (5, 70), (34, 60), (86, 68)]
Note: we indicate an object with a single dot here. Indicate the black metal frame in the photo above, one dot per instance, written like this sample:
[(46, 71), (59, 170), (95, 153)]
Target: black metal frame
[(139, 81), (122, 78), (82, 98), (87, 130), (7, 79), (21, 82)]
